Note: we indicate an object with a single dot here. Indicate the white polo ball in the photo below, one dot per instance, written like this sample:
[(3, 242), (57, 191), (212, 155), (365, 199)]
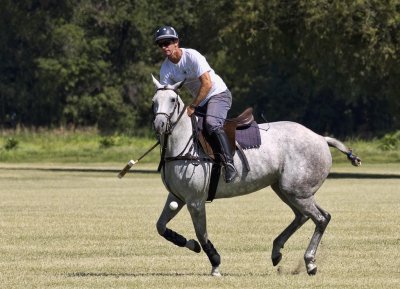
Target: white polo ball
[(173, 205)]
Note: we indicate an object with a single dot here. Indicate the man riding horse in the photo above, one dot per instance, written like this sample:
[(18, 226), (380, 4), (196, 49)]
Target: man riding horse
[(209, 91), (291, 158)]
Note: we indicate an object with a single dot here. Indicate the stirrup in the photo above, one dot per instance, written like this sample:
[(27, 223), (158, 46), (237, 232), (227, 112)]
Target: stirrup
[(230, 172)]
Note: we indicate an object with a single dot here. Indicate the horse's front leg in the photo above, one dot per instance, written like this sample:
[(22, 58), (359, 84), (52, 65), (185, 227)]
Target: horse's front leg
[(167, 215), (197, 210)]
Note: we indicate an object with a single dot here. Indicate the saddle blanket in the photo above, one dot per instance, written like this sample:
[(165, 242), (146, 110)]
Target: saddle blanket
[(249, 137)]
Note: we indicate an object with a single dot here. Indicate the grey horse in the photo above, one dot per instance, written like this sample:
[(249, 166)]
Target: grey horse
[(292, 159)]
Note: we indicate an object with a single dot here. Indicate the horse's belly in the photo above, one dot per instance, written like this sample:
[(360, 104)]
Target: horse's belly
[(190, 181), (262, 174), (243, 185)]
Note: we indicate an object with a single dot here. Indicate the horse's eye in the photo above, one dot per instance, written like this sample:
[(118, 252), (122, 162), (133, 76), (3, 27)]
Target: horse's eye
[(173, 99)]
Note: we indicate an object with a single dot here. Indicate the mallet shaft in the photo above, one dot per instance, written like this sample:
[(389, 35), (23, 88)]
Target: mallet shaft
[(148, 151), (132, 162)]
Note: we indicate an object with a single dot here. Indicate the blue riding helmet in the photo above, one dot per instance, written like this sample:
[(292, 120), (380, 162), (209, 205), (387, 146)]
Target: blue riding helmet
[(166, 32)]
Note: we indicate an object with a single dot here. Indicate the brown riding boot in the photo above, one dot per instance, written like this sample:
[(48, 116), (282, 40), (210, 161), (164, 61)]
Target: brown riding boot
[(226, 154)]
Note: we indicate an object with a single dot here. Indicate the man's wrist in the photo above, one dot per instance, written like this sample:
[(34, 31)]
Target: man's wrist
[(193, 106)]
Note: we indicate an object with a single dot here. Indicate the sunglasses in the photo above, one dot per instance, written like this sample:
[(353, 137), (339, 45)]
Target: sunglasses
[(165, 43)]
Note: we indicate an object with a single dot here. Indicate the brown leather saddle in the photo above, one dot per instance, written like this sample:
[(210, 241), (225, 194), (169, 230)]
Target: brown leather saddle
[(245, 119)]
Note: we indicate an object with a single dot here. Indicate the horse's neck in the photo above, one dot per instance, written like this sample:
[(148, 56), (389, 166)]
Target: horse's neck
[(180, 140)]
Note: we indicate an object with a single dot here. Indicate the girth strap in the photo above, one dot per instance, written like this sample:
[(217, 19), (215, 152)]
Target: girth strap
[(188, 157), (214, 179), (215, 171)]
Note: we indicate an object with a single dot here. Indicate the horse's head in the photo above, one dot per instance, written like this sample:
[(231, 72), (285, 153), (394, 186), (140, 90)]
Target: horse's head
[(167, 105)]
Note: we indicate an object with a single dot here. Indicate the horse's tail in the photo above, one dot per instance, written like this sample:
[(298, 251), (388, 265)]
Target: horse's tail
[(355, 160)]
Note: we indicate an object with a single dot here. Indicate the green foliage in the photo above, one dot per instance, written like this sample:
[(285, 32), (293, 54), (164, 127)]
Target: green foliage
[(11, 143), (333, 66), (328, 65), (108, 141), (74, 146), (390, 141)]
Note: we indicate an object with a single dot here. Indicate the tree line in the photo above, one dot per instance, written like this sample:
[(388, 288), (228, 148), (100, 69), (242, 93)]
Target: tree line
[(331, 65)]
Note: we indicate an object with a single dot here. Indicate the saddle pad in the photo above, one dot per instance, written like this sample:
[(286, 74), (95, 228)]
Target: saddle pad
[(249, 137)]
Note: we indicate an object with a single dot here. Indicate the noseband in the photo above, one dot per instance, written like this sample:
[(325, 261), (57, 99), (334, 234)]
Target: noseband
[(170, 125)]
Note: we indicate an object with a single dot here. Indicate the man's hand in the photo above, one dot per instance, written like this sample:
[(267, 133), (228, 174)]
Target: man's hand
[(190, 110)]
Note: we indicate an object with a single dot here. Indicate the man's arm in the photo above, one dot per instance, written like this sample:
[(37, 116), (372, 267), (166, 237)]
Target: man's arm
[(205, 87)]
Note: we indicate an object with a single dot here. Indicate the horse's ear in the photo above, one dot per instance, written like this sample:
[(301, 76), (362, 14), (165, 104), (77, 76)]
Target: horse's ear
[(179, 84), (156, 82)]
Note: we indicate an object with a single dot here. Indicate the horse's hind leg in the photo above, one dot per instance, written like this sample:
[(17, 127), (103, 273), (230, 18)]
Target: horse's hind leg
[(298, 221), (321, 219), (166, 216)]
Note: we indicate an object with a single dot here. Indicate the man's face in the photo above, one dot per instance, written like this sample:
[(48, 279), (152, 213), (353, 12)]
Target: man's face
[(168, 46)]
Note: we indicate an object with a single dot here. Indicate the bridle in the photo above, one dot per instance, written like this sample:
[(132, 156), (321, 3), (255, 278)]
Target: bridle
[(168, 116), (170, 124)]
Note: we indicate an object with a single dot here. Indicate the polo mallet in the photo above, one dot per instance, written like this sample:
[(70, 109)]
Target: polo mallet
[(132, 162)]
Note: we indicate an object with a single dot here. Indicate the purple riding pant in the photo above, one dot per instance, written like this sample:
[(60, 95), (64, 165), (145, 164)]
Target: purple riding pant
[(216, 110)]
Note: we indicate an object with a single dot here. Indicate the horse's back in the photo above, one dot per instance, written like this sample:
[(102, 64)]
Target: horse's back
[(287, 134)]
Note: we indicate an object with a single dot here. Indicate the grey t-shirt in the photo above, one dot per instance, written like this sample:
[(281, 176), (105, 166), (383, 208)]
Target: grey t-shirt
[(190, 67)]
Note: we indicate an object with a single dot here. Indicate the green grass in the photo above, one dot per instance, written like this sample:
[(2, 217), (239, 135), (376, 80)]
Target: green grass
[(369, 151), (66, 146), (92, 230), (87, 146)]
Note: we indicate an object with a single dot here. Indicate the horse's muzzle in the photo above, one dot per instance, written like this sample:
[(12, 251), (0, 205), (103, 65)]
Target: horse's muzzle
[(160, 124)]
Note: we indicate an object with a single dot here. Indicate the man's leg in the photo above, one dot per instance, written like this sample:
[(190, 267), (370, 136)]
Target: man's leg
[(217, 110), (226, 155)]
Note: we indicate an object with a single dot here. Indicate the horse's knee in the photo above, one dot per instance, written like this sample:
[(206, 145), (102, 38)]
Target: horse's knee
[(174, 237), (322, 222), (324, 213), (300, 219), (161, 227), (195, 208), (324, 219), (327, 217)]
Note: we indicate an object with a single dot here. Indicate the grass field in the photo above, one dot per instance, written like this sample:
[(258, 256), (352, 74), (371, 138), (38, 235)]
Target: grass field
[(92, 230), (88, 146)]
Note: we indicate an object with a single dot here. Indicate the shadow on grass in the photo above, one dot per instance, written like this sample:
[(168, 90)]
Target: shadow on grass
[(362, 176), (332, 175), (157, 274)]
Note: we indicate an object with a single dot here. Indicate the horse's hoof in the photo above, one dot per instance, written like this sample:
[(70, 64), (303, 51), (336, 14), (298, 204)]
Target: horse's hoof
[(193, 245), (215, 272), (276, 259), (311, 269)]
